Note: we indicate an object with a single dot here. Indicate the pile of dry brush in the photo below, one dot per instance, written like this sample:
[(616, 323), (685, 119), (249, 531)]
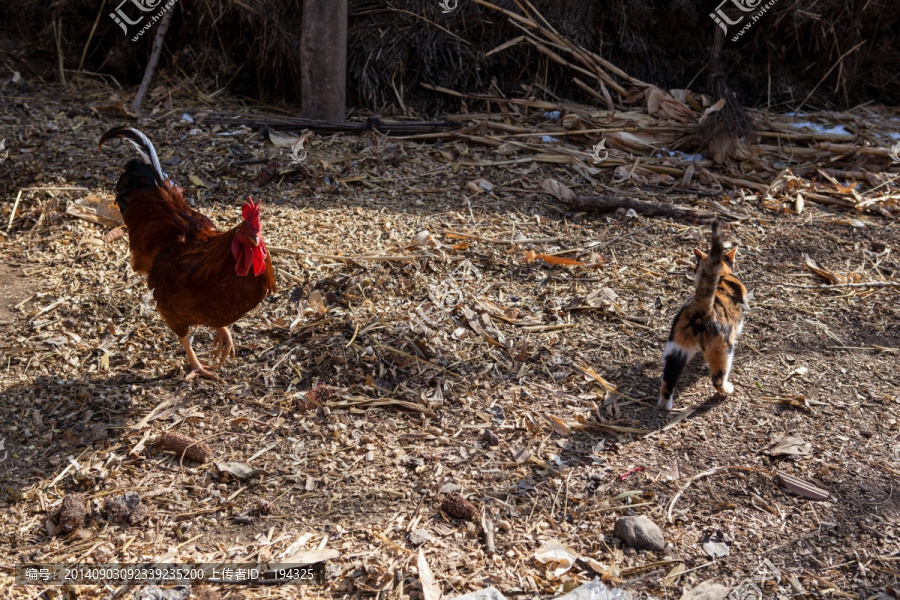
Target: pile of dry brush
[(842, 53)]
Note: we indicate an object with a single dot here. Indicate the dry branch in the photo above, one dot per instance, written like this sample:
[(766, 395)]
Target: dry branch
[(12, 214), (57, 35), (605, 203), (487, 526), (592, 64), (871, 284), (706, 474), (154, 59), (326, 127)]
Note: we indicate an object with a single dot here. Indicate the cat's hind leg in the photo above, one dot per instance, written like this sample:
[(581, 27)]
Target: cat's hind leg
[(720, 356), (675, 358)]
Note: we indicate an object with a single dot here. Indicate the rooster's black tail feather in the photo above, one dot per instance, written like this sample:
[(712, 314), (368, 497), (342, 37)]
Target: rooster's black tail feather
[(137, 174)]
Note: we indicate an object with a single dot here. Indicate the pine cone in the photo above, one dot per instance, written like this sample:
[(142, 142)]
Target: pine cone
[(139, 514), (182, 445), (264, 507), (72, 512), (457, 506)]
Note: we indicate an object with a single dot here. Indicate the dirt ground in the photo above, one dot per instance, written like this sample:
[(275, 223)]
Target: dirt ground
[(365, 387)]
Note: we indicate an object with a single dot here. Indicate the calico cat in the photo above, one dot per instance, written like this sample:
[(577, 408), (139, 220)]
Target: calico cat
[(710, 321)]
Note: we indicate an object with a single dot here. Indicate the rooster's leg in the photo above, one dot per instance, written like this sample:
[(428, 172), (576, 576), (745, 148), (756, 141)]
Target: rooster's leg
[(224, 346), (196, 368)]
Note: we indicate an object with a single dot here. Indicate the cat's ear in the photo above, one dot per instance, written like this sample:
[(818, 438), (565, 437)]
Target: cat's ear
[(729, 256), (699, 256)]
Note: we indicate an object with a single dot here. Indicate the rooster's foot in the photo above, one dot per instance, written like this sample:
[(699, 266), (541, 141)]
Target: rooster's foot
[(197, 368), (224, 346), (199, 371)]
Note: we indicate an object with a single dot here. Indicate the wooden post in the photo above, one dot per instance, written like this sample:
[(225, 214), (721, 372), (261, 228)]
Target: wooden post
[(323, 52)]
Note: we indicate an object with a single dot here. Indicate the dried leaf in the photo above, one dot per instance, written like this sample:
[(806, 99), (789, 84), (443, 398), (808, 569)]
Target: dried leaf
[(97, 209), (677, 570), (430, 589), (714, 108), (559, 426), (653, 97), (118, 109), (802, 488), (829, 276), (424, 238), (266, 174), (606, 573), (801, 371), (197, 181), (283, 140), (240, 470), (311, 557), (734, 148), (638, 143), (572, 121), (557, 557), (531, 256), (557, 190), (676, 110), (479, 185), (315, 305), (508, 314), (786, 445), (521, 455)]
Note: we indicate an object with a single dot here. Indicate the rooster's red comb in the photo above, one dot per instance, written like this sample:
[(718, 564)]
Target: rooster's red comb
[(250, 212)]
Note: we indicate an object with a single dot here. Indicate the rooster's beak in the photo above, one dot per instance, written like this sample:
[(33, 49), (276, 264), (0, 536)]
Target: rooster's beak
[(254, 239)]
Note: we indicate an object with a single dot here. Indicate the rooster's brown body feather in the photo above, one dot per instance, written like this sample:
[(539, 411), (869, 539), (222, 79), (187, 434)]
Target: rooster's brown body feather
[(195, 283)]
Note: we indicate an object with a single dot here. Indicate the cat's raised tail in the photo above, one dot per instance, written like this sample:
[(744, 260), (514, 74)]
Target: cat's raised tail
[(708, 271)]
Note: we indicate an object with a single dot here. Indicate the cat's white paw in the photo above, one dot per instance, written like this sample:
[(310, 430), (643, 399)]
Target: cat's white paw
[(727, 388), (665, 404)]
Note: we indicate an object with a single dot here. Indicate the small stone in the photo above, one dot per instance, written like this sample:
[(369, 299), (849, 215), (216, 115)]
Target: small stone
[(707, 590), (596, 590), (490, 438), (489, 593), (716, 549), (715, 544), (639, 532), (419, 537), (449, 488)]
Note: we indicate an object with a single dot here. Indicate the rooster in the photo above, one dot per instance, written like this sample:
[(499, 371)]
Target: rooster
[(197, 274)]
